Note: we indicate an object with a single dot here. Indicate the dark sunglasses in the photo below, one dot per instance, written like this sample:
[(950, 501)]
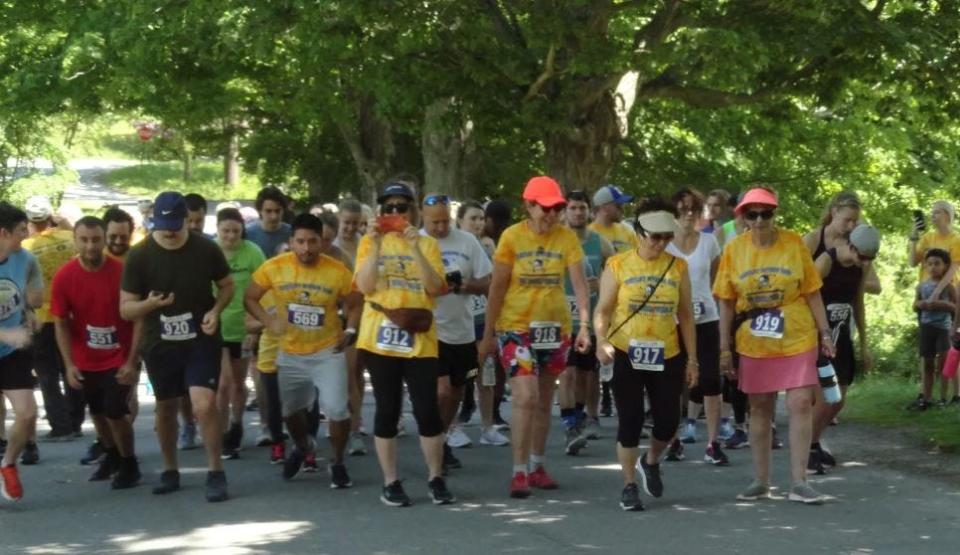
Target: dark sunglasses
[(660, 237), (433, 200), (758, 215), (557, 208), (400, 208)]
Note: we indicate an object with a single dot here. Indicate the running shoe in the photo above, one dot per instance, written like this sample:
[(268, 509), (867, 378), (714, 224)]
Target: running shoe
[(592, 428), (802, 492), (457, 438), (339, 479), (726, 430), (942, 404), (450, 461), (107, 467), (310, 462), (169, 482), (30, 454), (715, 456), (294, 463), (10, 487), (827, 458), (216, 486), (265, 438), (738, 440), (755, 491), (775, 442), (541, 480), (188, 437), (500, 424), (439, 493), (919, 404), (689, 433), (278, 452), (394, 496), (95, 453), (491, 436), (630, 498), (519, 486), (650, 476), (575, 441), (356, 447), (675, 451), (815, 464), (128, 474)]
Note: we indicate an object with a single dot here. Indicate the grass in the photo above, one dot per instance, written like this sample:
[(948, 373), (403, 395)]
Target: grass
[(882, 401), (18, 191), (147, 180)]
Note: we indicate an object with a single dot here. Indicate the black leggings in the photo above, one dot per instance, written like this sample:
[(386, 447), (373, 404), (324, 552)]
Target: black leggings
[(271, 397), (664, 389), (737, 399), (708, 353), (387, 375)]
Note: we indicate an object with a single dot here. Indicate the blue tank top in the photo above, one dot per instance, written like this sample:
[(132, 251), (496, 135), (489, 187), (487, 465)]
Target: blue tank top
[(14, 274), (592, 266)]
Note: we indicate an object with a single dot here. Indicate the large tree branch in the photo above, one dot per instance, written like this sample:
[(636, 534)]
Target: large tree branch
[(537, 85), (507, 27), (664, 22)]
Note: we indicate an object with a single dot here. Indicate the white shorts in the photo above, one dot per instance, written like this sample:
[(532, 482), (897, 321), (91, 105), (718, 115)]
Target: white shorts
[(299, 377)]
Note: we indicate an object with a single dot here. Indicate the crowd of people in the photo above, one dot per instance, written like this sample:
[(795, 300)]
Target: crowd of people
[(654, 309)]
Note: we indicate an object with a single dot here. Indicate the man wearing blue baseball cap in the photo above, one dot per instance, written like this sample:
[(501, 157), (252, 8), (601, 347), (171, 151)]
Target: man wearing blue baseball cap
[(608, 204), (167, 284)]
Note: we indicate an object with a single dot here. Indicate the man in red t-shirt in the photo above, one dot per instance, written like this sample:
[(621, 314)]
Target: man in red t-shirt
[(97, 346)]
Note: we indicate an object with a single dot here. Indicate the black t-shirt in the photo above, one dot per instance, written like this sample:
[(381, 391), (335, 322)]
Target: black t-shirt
[(190, 273)]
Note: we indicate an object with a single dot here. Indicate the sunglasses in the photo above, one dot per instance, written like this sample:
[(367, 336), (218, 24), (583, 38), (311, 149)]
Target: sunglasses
[(557, 208), (395, 208), (660, 237), (758, 215), (434, 200)]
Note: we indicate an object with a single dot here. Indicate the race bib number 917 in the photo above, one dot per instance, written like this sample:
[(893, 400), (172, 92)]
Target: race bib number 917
[(646, 355)]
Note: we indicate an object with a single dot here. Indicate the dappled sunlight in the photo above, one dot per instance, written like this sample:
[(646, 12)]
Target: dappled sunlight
[(230, 539), (57, 549), (521, 516), (611, 466), (853, 464)]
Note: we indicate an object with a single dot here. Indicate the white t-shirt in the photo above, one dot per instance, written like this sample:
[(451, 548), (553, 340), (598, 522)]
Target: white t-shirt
[(462, 252), (698, 265)]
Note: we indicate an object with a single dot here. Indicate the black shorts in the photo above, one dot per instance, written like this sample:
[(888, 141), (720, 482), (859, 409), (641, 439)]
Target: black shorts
[(844, 364), (174, 368), (933, 340), (234, 348), (16, 371), (457, 361), (584, 361), (104, 395)]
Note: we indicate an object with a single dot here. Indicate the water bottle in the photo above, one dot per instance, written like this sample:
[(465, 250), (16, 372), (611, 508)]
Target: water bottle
[(950, 363), (488, 375), (606, 372), (828, 381)]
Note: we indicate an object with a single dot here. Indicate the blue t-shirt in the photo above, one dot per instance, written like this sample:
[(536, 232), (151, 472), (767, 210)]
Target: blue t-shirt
[(592, 267), (269, 241), (936, 318), (18, 273)]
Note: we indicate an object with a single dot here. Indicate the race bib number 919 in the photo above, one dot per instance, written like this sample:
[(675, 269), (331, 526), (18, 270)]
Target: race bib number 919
[(768, 324)]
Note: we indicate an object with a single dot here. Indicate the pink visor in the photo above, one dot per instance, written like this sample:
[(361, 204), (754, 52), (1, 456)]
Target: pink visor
[(756, 196)]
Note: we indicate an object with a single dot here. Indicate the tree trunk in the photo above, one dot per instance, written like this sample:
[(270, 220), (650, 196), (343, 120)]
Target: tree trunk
[(449, 151), (187, 158), (581, 156), (371, 143), (231, 159)]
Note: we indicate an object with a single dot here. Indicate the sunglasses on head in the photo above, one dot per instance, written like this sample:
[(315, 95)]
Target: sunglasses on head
[(433, 200), (660, 237), (758, 215), (395, 208)]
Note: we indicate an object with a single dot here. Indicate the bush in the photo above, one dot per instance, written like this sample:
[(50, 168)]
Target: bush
[(891, 321), (38, 183)]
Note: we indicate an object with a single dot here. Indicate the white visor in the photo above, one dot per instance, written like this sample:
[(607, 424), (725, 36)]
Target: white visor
[(658, 222)]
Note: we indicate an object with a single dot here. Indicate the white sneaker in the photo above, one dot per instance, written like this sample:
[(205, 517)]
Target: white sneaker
[(456, 438), (592, 429), (490, 436), (356, 446)]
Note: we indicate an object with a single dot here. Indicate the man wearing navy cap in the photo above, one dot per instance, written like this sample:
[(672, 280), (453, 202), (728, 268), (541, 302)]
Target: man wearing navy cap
[(167, 284)]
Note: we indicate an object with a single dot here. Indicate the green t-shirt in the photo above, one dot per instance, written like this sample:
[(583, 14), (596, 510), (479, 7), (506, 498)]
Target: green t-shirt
[(243, 262)]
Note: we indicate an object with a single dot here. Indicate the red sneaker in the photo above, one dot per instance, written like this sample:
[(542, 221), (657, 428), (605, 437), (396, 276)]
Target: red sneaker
[(540, 479), (278, 453), (310, 462), (11, 487), (519, 488)]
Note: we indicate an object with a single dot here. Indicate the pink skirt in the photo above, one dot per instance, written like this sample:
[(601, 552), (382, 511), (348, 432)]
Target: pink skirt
[(770, 375)]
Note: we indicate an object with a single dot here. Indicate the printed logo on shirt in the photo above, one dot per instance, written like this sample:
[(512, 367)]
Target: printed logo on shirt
[(10, 298), (534, 269)]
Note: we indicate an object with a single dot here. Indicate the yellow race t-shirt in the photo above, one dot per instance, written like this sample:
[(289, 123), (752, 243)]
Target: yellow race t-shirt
[(398, 286), (656, 321), (269, 345), (934, 240), (539, 263), (619, 234), (307, 298), (775, 278), (53, 247)]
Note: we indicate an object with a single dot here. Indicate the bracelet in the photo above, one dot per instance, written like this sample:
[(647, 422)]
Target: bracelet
[(727, 354), (350, 331)]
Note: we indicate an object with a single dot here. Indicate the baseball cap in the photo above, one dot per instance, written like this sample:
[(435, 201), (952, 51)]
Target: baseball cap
[(38, 208), (169, 211), (866, 239), (610, 193), (756, 195), (395, 189), (544, 191)]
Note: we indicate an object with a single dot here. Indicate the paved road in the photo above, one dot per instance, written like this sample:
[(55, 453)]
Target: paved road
[(879, 509)]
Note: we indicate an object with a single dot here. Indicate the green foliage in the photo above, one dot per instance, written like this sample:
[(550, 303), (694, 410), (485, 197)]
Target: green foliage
[(892, 323), (37, 183), (147, 180)]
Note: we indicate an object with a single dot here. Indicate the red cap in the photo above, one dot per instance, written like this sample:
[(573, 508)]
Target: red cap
[(756, 196), (544, 191)]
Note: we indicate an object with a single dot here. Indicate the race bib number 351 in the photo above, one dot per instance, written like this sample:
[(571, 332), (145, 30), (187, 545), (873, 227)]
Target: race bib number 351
[(392, 338), (768, 324), (178, 328), (646, 355)]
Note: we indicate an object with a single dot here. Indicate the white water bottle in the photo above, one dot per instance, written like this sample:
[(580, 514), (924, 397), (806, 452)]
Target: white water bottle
[(488, 374), (828, 381), (606, 372)]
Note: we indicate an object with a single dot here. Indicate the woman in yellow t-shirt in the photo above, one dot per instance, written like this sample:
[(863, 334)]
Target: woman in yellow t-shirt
[(401, 270), (644, 292), (528, 312), (769, 292)]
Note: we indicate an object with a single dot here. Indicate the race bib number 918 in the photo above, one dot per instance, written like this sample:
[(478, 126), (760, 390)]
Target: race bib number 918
[(545, 335)]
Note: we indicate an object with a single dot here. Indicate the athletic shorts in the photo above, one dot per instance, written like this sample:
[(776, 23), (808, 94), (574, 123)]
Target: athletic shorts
[(457, 361), (16, 371), (104, 395), (174, 368), (519, 359), (933, 340), (234, 349), (584, 361), (300, 376)]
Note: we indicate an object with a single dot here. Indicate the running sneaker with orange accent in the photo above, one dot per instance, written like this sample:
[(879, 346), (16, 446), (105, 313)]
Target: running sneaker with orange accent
[(541, 480), (11, 487), (519, 486)]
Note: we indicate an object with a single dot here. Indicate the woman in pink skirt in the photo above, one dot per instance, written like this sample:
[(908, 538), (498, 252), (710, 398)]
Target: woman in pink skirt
[(771, 309)]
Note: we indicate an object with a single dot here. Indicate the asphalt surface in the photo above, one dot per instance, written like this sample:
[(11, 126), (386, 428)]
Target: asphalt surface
[(878, 509)]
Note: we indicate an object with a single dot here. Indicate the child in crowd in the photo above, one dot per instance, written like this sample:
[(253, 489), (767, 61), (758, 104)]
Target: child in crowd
[(936, 321)]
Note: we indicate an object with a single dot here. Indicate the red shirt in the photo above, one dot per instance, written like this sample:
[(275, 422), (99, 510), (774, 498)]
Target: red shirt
[(99, 338)]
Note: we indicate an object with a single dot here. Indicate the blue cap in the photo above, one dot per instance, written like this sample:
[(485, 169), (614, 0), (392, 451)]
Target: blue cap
[(169, 211), (395, 189), (610, 193)]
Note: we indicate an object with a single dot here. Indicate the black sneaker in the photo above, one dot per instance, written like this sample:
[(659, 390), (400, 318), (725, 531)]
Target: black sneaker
[(169, 482), (439, 493), (394, 496), (715, 456), (650, 477), (449, 459), (216, 486), (775, 442), (814, 463), (30, 454), (95, 453), (827, 458), (128, 474), (339, 479), (107, 467), (919, 404), (293, 464), (675, 451), (630, 498)]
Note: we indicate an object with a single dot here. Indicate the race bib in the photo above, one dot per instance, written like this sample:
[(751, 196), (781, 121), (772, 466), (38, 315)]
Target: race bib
[(102, 338), (768, 324), (646, 355), (478, 305), (392, 338), (178, 328), (572, 305), (305, 316), (839, 313), (699, 308), (545, 335)]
